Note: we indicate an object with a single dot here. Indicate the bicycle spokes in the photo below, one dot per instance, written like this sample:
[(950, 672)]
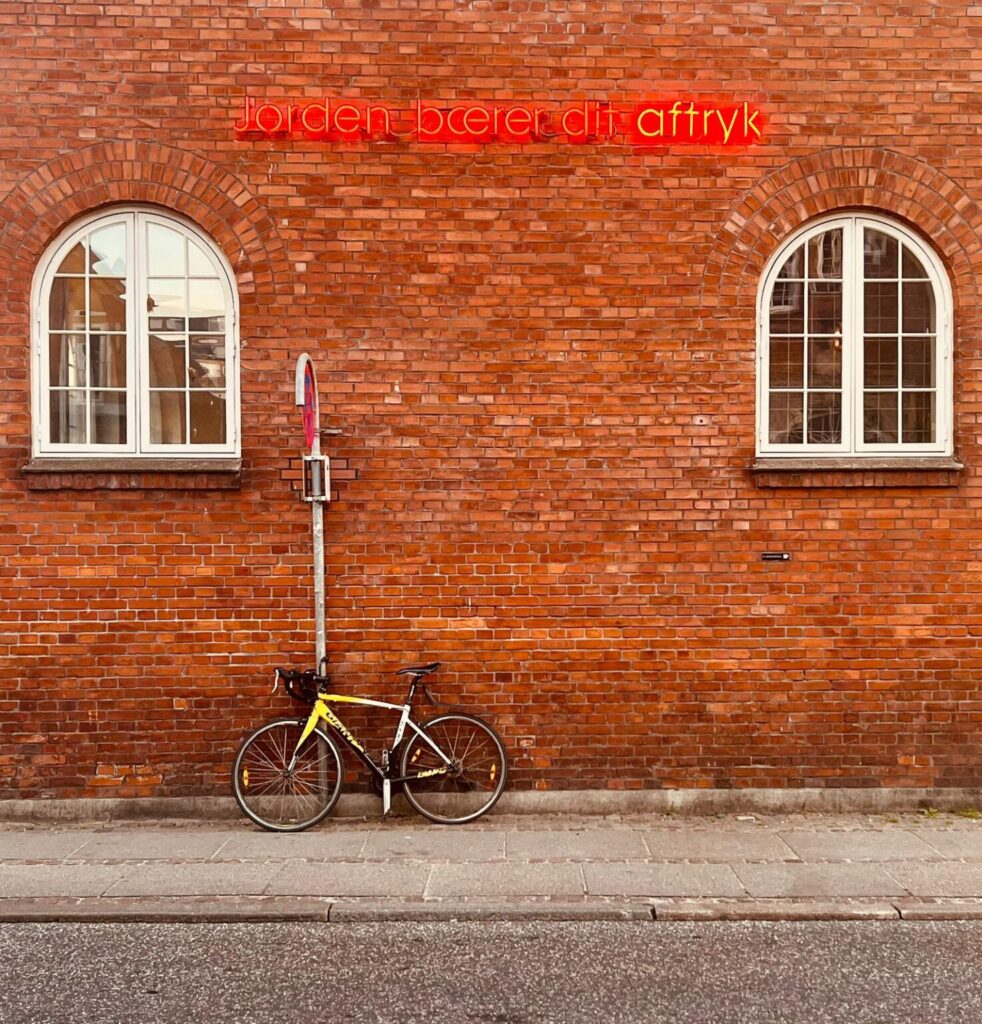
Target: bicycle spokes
[(283, 786), (472, 781)]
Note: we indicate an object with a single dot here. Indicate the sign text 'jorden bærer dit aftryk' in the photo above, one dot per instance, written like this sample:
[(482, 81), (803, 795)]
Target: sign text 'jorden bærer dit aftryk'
[(651, 123)]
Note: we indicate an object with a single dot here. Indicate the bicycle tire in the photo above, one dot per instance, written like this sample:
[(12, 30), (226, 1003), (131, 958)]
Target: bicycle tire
[(480, 769), (281, 803)]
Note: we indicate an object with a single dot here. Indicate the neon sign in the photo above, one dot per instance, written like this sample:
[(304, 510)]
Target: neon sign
[(650, 123)]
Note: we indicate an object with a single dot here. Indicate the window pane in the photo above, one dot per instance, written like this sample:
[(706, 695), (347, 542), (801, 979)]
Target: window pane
[(787, 308), (108, 355), (66, 304), (207, 417), (824, 307), (167, 421), (108, 417), (918, 307), (165, 248), (786, 418), (824, 363), (918, 365), (74, 261), (824, 417), (67, 417), (880, 418), (107, 304), (206, 368), (794, 265), (787, 363), (167, 361), (881, 301), (912, 266), (880, 363), (199, 265), (918, 417), (207, 302), (825, 255), (66, 360), (880, 252), (107, 251), (165, 304)]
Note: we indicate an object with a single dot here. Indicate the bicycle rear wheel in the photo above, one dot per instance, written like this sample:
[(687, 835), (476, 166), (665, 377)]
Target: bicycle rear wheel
[(478, 775), (277, 798)]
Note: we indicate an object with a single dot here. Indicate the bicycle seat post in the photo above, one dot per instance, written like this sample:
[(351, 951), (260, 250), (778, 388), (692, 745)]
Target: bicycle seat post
[(414, 685)]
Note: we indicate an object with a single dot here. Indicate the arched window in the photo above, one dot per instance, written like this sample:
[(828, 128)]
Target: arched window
[(135, 350), (854, 344)]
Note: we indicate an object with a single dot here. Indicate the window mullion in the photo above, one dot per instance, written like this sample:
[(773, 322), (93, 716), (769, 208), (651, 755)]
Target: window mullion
[(852, 334), (137, 289)]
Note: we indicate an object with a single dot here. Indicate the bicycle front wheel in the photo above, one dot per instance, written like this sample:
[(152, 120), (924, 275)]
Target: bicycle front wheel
[(281, 798), (478, 769)]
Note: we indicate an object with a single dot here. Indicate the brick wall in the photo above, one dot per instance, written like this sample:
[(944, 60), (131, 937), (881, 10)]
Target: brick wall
[(541, 359)]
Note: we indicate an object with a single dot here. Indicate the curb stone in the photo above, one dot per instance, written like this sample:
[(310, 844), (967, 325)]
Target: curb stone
[(270, 910), (774, 910), (461, 911), (136, 910), (941, 912)]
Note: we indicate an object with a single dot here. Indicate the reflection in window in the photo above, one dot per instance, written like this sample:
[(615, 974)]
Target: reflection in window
[(806, 341)]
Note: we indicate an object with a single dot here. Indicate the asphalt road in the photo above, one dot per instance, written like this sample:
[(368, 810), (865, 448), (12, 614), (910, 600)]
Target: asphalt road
[(503, 973)]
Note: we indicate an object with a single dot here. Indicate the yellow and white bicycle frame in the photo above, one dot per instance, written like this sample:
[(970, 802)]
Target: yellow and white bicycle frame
[(322, 712)]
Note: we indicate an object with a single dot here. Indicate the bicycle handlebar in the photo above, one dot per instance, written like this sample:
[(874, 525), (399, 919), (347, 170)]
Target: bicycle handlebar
[(302, 686)]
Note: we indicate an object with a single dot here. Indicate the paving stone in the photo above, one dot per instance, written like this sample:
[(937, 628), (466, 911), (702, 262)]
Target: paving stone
[(323, 844), (873, 846), (506, 880), (40, 845), (618, 844), (716, 847), (949, 879), (337, 879), (960, 845), (172, 845), (58, 879), (830, 881), (661, 880), (434, 844), (195, 880)]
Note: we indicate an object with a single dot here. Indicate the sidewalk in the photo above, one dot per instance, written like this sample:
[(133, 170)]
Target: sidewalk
[(637, 867)]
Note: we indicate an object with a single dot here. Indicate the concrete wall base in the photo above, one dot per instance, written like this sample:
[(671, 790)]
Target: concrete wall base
[(591, 801)]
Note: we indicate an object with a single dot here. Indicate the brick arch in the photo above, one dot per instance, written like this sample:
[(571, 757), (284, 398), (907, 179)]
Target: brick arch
[(836, 179), (52, 196)]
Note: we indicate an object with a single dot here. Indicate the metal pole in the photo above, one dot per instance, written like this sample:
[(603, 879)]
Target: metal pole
[(317, 521)]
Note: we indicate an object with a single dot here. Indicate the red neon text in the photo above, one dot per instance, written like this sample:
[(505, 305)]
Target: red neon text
[(654, 123)]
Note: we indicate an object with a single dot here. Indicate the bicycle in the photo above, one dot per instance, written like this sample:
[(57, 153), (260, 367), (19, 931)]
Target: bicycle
[(289, 772)]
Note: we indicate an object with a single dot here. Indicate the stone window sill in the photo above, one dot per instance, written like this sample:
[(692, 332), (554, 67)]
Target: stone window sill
[(927, 471), (67, 474)]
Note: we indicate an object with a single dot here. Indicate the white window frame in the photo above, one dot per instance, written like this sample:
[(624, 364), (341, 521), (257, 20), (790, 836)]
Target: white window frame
[(137, 342), (852, 443)]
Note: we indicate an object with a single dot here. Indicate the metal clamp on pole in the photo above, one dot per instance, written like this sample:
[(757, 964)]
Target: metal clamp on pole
[(316, 478)]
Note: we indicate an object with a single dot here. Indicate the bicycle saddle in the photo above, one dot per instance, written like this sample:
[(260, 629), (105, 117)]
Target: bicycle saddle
[(419, 670)]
